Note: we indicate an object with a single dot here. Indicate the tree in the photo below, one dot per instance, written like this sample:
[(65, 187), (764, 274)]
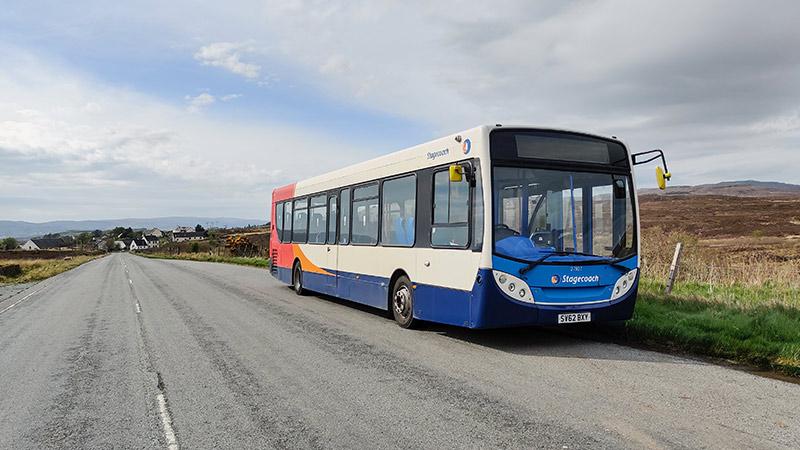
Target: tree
[(117, 232), (199, 228), (83, 238), (195, 247), (9, 243), (97, 233)]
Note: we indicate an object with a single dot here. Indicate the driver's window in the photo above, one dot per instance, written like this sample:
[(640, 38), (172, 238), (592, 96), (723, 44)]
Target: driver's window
[(537, 213), (511, 213)]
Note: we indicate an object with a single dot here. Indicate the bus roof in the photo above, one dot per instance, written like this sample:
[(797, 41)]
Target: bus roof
[(473, 143)]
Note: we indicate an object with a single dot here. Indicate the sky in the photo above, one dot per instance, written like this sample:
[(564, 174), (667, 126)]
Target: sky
[(151, 108)]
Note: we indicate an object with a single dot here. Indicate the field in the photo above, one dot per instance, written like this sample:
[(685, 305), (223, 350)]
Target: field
[(38, 268), (737, 294)]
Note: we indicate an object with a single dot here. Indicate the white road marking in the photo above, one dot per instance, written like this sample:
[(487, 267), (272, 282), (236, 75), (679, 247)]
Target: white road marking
[(166, 422), (138, 308), (21, 300), (130, 281)]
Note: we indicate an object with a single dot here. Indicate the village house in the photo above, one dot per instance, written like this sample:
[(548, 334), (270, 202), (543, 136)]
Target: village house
[(46, 244), (189, 236), (151, 240), (138, 244), (122, 244)]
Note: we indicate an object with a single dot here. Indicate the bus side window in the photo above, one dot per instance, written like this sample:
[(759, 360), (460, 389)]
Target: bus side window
[(318, 220), (278, 220), (300, 222), (287, 222), (344, 223), (365, 215), (450, 211), (399, 211)]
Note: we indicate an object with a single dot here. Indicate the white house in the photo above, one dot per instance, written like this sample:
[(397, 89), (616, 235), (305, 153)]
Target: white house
[(151, 240), (45, 244), (189, 236), (138, 244), (122, 244)]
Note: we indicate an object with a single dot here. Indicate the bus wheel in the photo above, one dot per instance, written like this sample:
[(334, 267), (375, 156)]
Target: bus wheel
[(403, 302), (297, 280)]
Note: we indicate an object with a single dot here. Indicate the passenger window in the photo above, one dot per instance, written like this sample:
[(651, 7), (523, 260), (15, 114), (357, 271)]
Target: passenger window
[(365, 215), (278, 220), (399, 211), (344, 233), (287, 222), (450, 211), (300, 222), (318, 220), (332, 220)]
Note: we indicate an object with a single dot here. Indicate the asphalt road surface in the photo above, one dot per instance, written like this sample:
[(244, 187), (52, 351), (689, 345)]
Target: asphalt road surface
[(128, 352)]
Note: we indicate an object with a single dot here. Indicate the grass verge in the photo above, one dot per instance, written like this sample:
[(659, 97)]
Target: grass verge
[(749, 328), (40, 269), (240, 260)]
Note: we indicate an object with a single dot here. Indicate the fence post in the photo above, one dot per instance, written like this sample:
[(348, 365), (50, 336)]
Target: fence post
[(673, 268)]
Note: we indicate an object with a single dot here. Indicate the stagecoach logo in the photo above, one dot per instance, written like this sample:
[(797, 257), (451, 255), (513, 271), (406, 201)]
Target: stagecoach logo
[(438, 153), (466, 146), (569, 279)]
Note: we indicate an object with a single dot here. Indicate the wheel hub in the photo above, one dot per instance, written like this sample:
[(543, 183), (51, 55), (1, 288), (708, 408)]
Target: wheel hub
[(402, 301)]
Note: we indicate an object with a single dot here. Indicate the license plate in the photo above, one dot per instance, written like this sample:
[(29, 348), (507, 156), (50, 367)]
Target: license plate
[(575, 317)]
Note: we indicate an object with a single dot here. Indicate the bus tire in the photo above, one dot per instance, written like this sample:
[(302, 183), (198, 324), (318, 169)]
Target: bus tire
[(403, 302), (297, 280)]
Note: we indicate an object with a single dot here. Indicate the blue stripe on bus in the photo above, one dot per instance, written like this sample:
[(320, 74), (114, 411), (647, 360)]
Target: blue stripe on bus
[(485, 306)]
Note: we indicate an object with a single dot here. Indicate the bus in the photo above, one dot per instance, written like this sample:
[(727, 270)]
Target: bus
[(491, 227)]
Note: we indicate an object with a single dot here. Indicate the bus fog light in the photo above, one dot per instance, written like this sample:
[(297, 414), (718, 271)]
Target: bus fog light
[(511, 287), (522, 292), (502, 279)]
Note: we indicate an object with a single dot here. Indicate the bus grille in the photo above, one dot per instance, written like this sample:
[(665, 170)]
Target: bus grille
[(273, 262)]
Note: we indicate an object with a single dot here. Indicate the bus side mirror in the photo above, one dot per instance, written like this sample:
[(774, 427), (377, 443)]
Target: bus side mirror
[(662, 177), (456, 173)]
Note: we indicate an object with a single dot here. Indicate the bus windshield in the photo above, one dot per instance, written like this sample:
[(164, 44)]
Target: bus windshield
[(543, 211)]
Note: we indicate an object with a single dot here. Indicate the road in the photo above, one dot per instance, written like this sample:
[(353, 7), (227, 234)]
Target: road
[(129, 352)]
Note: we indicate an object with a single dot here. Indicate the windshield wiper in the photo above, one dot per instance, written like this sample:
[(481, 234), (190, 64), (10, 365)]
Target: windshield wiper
[(602, 259)]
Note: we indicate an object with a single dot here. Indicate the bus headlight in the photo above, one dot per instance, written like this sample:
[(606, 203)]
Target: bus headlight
[(623, 284), (513, 287)]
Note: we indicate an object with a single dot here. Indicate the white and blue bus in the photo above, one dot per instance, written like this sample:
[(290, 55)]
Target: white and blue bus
[(495, 226)]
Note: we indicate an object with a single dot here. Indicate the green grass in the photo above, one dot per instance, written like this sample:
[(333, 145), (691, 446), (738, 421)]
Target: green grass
[(40, 269), (752, 327), (240, 260)]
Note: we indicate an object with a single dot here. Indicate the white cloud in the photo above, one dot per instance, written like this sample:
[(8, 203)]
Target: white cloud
[(198, 102), (131, 154), (229, 97), (228, 55)]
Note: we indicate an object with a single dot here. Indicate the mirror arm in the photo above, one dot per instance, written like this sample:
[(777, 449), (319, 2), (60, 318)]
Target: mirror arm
[(659, 154)]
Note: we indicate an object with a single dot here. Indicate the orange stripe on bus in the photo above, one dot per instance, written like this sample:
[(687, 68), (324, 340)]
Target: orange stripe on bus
[(306, 263)]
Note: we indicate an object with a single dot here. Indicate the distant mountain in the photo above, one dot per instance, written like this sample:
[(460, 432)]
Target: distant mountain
[(20, 229), (743, 188)]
